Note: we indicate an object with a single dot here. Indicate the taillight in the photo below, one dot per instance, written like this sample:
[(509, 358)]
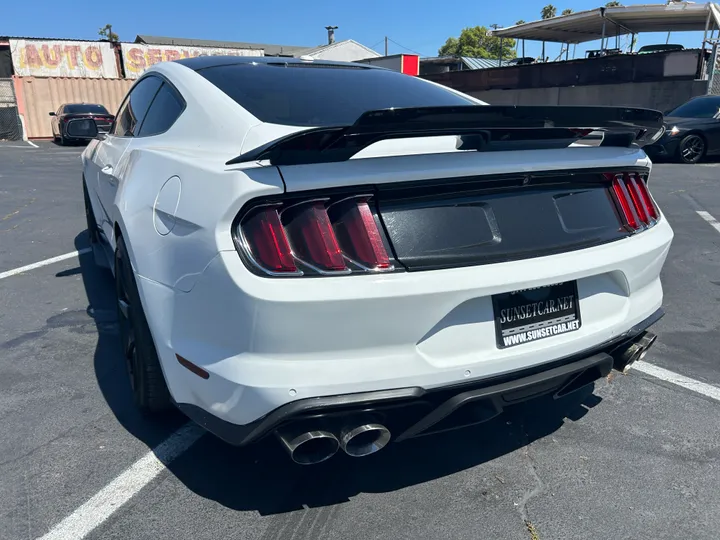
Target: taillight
[(314, 237), (649, 203), (265, 242), (359, 235), (630, 191)]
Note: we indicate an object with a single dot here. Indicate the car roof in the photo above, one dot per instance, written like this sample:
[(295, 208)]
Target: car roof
[(203, 62)]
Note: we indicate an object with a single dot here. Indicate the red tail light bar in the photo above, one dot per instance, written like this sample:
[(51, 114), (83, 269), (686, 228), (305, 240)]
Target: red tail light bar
[(314, 237), (637, 208)]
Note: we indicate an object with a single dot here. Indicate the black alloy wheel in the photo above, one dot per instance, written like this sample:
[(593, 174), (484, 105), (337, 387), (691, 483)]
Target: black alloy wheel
[(147, 381), (691, 148)]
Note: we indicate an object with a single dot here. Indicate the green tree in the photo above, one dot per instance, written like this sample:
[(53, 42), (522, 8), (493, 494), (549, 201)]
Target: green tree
[(107, 33), (614, 3), (567, 11), (476, 42), (519, 22), (548, 12)]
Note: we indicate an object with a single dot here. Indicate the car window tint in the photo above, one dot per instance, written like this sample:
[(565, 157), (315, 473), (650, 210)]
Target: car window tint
[(133, 110), (698, 108), (86, 108), (323, 95), (164, 110)]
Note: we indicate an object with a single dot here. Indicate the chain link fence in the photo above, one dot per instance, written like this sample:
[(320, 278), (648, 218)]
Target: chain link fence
[(10, 127), (714, 69)]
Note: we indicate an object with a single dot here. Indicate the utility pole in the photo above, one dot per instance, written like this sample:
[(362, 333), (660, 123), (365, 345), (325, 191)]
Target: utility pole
[(500, 53), (386, 45)]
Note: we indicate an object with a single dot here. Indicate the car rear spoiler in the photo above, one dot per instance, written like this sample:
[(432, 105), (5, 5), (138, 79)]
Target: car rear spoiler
[(478, 127)]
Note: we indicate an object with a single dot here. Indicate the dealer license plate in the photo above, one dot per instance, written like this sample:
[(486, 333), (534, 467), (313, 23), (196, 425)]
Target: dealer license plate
[(532, 314)]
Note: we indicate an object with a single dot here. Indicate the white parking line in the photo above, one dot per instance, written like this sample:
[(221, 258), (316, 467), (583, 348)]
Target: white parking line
[(32, 143), (666, 375), (708, 217), (109, 499), (46, 262), (123, 488), (699, 210)]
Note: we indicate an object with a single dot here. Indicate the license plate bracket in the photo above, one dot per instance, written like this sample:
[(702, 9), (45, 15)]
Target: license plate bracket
[(529, 315)]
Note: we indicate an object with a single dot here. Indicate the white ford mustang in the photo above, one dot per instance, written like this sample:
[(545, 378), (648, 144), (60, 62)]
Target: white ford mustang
[(337, 254)]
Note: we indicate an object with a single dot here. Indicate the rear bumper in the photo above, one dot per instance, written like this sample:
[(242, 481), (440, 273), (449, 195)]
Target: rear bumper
[(665, 148), (413, 411), (266, 343)]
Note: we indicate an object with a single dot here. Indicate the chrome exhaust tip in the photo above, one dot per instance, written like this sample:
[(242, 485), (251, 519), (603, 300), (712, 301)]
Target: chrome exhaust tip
[(308, 447), (635, 352), (364, 439)]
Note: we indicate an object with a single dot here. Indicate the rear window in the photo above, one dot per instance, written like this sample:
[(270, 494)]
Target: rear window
[(86, 108), (301, 95)]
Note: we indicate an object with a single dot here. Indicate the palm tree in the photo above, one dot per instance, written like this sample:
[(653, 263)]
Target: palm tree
[(548, 12), (567, 11)]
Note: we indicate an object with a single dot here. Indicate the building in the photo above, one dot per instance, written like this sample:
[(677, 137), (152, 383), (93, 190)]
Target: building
[(37, 75), (445, 64), (347, 50)]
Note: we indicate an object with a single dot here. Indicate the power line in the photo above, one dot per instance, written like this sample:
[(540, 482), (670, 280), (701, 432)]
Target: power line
[(406, 48)]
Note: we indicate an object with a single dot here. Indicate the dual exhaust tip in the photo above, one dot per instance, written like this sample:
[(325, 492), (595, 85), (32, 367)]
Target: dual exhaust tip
[(366, 437), (311, 447), (635, 352)]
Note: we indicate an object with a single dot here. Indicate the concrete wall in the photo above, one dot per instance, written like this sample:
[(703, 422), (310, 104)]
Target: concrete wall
[(661, 95)]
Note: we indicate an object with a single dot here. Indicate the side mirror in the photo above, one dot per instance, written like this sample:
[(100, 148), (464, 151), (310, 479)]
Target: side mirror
[(51, 113), (82, 128)]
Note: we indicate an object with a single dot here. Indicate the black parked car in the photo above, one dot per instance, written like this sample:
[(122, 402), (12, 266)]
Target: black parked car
[(103, 119), (692, 131)]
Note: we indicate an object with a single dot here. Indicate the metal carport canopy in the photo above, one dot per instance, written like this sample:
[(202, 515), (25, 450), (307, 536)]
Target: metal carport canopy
[(588, 25)]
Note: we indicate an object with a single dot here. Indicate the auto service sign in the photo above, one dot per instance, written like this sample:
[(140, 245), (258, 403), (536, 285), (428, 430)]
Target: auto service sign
[(138, 57), (52, 58)]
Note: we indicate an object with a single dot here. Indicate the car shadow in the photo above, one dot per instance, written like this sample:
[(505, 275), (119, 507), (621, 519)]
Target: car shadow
[(262, 478)]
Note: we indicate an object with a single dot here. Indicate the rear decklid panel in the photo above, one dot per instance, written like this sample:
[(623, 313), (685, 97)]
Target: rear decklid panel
[(469, 208)]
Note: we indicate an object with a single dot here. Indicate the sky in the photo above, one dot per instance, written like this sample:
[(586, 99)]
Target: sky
[(412, 26)]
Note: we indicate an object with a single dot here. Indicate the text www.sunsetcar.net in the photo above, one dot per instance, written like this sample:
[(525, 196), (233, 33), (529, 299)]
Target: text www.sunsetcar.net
[(532, 335)]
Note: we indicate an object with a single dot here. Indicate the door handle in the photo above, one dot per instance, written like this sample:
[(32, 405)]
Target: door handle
[(107, 169)]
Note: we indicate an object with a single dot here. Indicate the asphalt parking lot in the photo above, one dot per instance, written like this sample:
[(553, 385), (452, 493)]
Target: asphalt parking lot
[(635, 457)]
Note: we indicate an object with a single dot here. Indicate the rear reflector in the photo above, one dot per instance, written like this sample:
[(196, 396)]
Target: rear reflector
[(266, 243), (632, 196), (358, 234), (197, 370)]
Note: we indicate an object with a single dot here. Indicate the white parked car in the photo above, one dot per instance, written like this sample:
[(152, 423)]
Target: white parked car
[(340, 255)]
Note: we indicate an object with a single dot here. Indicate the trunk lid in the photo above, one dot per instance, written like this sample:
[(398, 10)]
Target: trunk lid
[(466, 208)]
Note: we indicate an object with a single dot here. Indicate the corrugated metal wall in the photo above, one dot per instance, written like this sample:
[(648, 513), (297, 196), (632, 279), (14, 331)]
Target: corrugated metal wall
[(43, 95)]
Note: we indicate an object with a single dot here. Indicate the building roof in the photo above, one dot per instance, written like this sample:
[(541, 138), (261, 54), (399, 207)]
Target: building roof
[(469, 62), (270, 50), (588, 25), (204, 62), (323, 48)]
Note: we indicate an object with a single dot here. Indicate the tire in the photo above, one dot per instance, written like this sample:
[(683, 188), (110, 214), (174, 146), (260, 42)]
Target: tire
[(61, 139), (150, 392), (92, 227), (692, 148)]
